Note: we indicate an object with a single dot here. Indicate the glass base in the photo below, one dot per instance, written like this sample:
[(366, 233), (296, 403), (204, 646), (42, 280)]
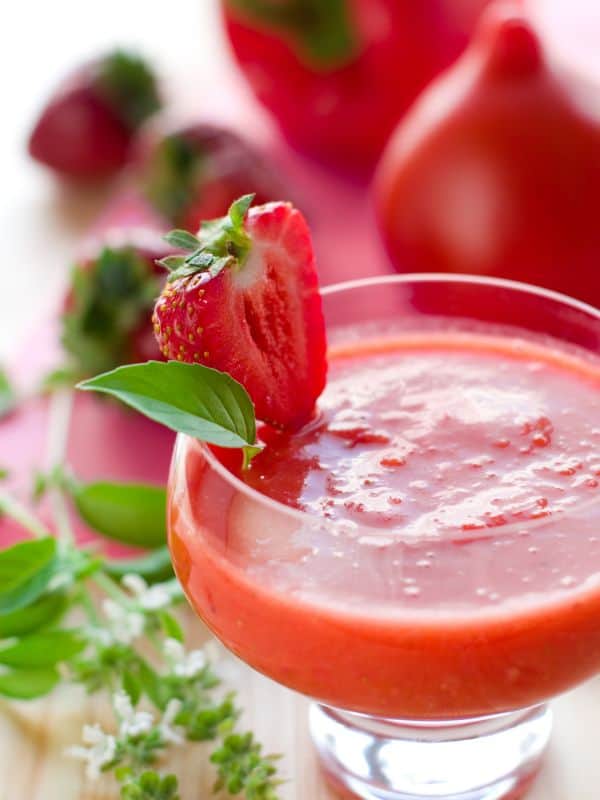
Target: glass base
[(487, 758)]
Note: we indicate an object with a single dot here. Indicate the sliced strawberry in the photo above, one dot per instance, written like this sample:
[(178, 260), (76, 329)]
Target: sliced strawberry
[(246, 301), (86, 129), (195, 173)]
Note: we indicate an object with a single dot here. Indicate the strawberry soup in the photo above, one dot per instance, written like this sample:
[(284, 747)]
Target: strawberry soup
[(439, 553)]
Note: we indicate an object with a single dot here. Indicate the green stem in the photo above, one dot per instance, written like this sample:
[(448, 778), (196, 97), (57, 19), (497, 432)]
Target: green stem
[(61, 406), (17, 511), (88, 606), (106, 583)]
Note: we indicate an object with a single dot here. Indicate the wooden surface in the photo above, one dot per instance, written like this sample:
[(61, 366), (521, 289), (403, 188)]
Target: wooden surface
[(41, 222)]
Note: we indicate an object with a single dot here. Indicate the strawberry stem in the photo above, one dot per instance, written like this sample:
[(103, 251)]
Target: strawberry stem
[(221, 243)]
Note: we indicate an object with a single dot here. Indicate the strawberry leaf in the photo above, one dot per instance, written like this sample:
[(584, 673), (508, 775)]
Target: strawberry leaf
[(172, 263), (239, 208), (129, 85), (221, 243), (187, 398), (182, 240)]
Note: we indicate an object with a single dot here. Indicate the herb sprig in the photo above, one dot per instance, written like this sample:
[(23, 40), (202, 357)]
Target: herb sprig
[(71, 615)]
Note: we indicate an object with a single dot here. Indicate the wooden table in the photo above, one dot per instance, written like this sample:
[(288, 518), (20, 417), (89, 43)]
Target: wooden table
[(40, 222)]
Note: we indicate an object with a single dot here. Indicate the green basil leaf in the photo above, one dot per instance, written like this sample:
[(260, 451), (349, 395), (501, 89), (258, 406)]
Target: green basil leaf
[(126, 512), (154, 567), (171, 627), (8, 398), (26, 684), (132, 687), (152, 685), (188, 398), (25, 571), (42, 650), (38, 615)]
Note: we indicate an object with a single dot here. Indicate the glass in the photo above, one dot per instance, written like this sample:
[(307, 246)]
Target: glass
[(430, 671)]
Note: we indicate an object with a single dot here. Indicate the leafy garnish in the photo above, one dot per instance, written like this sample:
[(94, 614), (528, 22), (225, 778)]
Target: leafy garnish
[(131, 513), (27, 684), (130, 87), (187, 398), (42, 649), (25, 571), (7, 395), (111, 300), (153, 568), (322, 30), (220, 243)]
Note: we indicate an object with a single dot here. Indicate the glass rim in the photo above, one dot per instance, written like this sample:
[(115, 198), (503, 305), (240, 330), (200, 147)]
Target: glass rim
[(307, 517)]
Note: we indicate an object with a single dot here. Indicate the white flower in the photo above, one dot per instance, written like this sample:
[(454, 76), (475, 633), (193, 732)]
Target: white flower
[(150, 598), (132, 722), (167, 731), (185, 665), (101, 751), (126, 625), (101, 636)]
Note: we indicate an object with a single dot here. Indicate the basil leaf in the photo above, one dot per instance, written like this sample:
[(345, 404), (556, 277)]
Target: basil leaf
[(42, 650), (132, 686), (25, 571), (188, 398), (41, 613), (26, 684), (154, 568), (8, 398), (125, 512)]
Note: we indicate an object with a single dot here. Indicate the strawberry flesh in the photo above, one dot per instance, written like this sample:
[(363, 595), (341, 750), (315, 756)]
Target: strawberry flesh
[(259, 318)]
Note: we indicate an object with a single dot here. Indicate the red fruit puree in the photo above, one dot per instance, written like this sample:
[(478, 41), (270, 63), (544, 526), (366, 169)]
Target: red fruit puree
[(448, 560)]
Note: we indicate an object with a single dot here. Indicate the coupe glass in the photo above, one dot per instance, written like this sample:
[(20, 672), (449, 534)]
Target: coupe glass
[(413, 698)]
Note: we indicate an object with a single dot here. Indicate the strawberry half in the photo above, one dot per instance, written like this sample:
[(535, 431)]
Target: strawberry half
[(246, 301), (86, 129)]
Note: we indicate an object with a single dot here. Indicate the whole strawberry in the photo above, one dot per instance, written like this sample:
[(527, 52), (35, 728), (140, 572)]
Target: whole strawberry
[(195, 173), (246, 301), (106, 319), (87, 128)]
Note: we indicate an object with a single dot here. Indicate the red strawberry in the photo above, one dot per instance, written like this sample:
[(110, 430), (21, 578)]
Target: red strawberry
[(338, 74), (87, 128), (106, 319), (196, 173), (246, 301)]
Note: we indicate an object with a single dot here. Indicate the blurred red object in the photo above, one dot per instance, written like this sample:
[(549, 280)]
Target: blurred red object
[(497, 169), (194, 173), (106, 314), (86, 129), (338, 75)]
